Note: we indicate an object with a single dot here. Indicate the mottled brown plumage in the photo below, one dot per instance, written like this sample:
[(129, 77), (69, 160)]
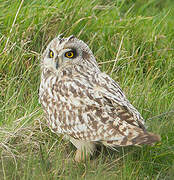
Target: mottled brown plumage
[(84, 104)]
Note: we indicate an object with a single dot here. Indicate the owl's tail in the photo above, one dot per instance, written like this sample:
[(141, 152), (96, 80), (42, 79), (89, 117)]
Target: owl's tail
[(146, 138), (142, 138)]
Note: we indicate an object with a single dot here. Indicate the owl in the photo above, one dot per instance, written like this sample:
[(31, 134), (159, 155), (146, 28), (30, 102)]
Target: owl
[(84, 104)]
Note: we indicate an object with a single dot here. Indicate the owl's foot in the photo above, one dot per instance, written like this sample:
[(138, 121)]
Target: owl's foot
[(81, 155), (84, 149)]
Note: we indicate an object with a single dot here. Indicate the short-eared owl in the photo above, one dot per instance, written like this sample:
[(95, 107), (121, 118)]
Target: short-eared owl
[(84, 104)]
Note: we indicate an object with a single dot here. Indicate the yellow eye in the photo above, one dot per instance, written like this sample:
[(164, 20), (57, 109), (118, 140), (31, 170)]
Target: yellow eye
[(69, 54), (51, 54)]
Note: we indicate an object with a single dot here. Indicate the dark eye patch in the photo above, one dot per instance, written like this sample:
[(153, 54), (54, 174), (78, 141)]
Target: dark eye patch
[(71, 54)]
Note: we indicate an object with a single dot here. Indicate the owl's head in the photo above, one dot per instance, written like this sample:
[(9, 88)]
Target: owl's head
[(61, 52)]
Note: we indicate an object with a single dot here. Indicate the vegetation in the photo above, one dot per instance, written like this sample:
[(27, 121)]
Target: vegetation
[(132, 41)]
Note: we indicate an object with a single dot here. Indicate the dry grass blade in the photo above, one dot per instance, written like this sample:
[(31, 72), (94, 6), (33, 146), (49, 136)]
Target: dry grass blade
[(116, 59), (13, 24)]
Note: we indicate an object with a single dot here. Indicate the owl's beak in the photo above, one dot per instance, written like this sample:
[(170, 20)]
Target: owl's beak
[(58, 62)]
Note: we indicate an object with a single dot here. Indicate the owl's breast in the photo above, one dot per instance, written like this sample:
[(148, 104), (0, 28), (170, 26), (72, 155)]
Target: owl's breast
[(58, 102)]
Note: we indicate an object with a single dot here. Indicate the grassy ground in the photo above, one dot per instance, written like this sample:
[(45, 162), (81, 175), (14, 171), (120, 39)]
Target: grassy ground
[(132, 41)]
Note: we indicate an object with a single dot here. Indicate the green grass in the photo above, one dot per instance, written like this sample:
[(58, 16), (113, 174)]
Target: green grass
[(132, 41)]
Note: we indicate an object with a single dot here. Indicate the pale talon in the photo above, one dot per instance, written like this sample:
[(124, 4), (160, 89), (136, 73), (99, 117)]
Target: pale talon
[(81, 156)]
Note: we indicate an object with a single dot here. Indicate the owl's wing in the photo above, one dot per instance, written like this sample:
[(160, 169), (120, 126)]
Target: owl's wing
[(96, 110), (113, 93)]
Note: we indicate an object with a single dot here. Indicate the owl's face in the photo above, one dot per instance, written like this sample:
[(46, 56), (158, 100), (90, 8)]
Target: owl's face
[(66, 51)]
